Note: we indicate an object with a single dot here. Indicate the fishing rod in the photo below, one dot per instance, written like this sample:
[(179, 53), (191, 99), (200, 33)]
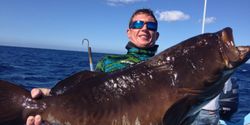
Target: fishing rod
[(204, 17), (89, 54)]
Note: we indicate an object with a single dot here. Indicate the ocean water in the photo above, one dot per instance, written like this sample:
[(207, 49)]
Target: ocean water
[(32, 68)]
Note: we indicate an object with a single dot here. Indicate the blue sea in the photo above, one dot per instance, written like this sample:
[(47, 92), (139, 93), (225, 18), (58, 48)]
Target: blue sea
[(30, 68)]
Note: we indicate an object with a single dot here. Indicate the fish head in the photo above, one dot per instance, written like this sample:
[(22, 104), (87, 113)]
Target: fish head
[(233, 56), (207, 60), (226, 59), (223, 56), (219, 52)]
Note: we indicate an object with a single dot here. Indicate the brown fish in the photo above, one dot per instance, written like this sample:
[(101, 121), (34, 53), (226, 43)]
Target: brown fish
[(167, 89)]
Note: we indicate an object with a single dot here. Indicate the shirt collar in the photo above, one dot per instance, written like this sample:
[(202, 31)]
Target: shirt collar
[(132, 48)]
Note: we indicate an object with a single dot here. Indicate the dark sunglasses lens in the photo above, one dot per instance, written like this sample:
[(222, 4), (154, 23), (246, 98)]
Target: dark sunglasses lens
[(137, 24), (152, 26)]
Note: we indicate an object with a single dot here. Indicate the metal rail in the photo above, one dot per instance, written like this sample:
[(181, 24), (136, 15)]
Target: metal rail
[(89, 54)]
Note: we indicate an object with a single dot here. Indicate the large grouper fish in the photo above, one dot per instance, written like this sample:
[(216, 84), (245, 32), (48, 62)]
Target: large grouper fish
[(168, 89)]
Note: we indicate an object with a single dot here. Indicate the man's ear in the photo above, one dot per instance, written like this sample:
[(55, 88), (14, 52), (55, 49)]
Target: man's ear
[(129, 33), (157, 35)]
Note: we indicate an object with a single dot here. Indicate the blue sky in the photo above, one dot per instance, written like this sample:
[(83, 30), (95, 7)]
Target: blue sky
[(62, 24)]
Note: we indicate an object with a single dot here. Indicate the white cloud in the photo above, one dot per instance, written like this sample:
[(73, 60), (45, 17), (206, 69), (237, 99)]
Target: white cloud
[(173, 15), (122, 2), (210, 20)]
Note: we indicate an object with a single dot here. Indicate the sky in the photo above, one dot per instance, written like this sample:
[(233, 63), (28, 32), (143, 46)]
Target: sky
[(63, 24)]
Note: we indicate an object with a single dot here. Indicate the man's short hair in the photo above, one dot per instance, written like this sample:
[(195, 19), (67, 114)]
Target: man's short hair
[(143, 11)]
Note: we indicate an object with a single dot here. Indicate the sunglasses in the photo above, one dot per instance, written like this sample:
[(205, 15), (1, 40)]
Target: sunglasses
[(139, 24)]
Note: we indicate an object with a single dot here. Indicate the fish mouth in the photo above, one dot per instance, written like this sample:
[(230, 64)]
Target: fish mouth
[(227, 36), (244, 52), (232, 55)]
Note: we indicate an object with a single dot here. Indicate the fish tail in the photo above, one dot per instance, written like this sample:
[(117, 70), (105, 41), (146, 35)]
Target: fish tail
[(12, 98)]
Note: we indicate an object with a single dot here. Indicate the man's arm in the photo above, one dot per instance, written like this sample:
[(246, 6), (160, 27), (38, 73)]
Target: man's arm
[(99, 66)]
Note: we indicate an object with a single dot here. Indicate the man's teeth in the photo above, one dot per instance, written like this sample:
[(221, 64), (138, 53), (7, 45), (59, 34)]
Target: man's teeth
[(144, 37)]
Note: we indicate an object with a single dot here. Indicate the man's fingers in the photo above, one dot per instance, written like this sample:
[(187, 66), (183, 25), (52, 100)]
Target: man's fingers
[(30, 120), (38, 120), (36, 93), (45, 91)]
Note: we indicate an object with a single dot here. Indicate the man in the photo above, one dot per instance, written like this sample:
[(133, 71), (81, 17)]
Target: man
[(209, 114), (142, 33)]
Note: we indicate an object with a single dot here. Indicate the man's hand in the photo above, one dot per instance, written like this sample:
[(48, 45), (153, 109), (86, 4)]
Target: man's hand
[(37, 93), (34, 120)]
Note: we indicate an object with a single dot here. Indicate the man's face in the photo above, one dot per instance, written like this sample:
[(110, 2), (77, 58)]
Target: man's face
[(143, 38)]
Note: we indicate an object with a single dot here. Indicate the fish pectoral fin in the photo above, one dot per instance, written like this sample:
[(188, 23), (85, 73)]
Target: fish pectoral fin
[(180, 112)]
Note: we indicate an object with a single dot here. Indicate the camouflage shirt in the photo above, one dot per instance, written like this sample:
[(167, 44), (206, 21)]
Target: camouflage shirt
[(111, 63)]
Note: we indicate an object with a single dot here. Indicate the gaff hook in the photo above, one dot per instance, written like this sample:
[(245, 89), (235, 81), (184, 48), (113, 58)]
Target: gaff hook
[(89, 54)]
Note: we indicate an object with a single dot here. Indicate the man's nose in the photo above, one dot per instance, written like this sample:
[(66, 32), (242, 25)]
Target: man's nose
[(144, 27)]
